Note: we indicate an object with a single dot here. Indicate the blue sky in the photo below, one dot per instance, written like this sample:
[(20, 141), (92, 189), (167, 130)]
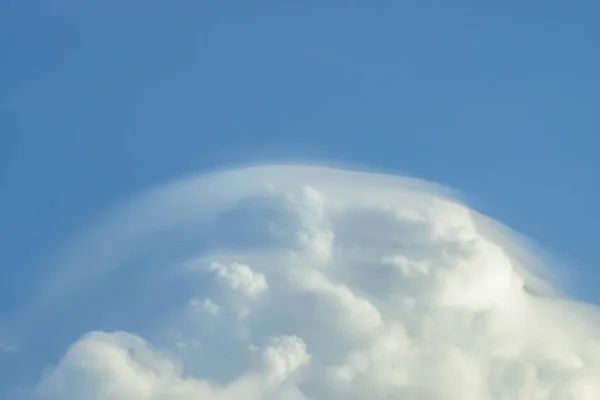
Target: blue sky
[(102, 99)]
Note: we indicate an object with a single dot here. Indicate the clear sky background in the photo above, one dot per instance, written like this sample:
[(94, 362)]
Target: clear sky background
[(101, 99)]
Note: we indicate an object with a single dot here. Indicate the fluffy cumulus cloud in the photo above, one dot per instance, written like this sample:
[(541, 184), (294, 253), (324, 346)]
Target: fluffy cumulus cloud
[(317, 283)]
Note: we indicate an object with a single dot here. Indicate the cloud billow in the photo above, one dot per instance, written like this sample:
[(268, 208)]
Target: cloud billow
[(335, 284)]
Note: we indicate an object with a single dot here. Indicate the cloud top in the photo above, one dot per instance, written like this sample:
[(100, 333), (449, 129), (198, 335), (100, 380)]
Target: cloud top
[(317, 283)]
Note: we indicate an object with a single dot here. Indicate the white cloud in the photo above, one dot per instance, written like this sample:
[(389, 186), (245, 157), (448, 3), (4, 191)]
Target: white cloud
[(314, 234), (284, 356), (358, 312), (241, 277), (388, 289), (120, 366)]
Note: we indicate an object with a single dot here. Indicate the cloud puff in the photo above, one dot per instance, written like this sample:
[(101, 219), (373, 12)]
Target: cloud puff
[(317, 283), (241, 277), (119, 366)]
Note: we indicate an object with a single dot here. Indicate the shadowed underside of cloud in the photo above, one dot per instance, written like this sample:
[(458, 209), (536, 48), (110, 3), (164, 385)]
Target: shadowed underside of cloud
[(318, 283)]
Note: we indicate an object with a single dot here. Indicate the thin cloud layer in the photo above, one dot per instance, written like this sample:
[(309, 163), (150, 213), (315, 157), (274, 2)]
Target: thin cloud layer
[(317, 283)]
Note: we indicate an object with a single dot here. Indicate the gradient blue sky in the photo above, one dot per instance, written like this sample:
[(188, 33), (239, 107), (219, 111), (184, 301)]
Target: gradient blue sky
[(100, 99)]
